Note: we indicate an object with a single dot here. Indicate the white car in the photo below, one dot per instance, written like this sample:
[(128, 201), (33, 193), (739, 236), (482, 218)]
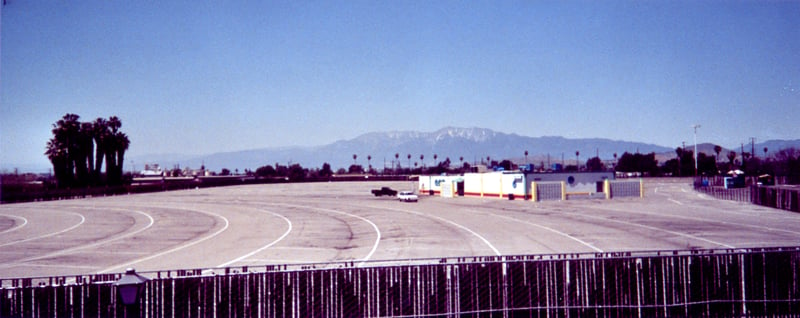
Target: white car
[(407, 196)]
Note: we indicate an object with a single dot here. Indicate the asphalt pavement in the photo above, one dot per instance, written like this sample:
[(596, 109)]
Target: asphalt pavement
[(330, 222)]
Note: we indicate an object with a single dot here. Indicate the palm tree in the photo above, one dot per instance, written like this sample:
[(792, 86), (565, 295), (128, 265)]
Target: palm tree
[(369, 165), (122, 142), (526, 157), (731, 157), (577, 160), (111, 143), (57, 154), (354, 158), (83, 149), (434, 159), (87, 133), (409, 161), (77, 150), (63, 149), (99, 133), (422, 162)]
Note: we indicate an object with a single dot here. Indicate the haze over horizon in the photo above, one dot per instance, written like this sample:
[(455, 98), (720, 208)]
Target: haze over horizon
[(206, 77)]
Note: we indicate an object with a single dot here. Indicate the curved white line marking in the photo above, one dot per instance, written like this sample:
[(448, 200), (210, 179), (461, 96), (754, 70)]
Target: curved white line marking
[(767, 228), (83, 219), (377, 231), (662, 230), (675, 201), (98, 243), (551, 230), (177, 248), (265, 246), (24, 222), (485, 241)]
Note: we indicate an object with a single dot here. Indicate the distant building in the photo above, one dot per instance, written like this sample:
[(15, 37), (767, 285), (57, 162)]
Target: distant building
[(152, 170), (511, 184)]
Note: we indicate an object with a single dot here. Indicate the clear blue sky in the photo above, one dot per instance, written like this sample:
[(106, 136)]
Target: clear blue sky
[(203, 77)]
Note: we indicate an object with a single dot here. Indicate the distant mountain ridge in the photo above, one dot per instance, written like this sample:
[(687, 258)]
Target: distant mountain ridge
[(473, 144)]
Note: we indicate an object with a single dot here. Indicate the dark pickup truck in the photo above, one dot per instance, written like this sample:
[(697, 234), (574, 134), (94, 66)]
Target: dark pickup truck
[(384, 191)]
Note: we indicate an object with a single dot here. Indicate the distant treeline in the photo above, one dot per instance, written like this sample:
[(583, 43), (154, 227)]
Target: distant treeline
[(784, 163)]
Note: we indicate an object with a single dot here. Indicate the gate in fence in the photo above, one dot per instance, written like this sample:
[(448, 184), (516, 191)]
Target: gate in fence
[(741, 282)]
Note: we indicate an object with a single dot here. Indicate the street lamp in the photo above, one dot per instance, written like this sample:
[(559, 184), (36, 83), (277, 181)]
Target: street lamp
[(695, 148), (129, 286)]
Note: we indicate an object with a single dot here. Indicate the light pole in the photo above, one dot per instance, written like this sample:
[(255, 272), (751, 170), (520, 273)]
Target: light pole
[(695, 148), (130, 287)]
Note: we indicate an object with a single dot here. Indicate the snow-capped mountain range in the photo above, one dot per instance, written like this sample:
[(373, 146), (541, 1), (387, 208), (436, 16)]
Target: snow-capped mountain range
[(472, 145), (387, 149)]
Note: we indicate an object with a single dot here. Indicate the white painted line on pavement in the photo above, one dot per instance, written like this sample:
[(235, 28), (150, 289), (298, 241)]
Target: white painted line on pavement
[(660, 229), (485, 241), (83, 219), (552, 230), (98, 243), (24, 222), (377, 231), (288, 230), (675, 201), (177, 248), (750, 225)]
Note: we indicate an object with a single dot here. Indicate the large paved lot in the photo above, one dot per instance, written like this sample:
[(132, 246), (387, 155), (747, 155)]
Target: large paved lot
[(319, 222)]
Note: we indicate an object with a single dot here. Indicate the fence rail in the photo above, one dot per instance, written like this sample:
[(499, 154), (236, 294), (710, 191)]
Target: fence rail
[(735, 194), (777, 197), (786, 197), (741, 282)]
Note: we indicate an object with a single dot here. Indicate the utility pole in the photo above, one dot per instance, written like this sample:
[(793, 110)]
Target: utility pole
[(753, 147)]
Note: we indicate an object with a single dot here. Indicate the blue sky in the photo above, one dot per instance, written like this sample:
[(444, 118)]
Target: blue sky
[(203, 77)]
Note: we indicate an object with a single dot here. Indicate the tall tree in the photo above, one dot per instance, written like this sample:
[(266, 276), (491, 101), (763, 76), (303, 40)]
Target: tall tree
[(326, 171), (57, 154), (717, 150), (99, 134), (594, 164), (62, 149), (122, 144), (77, 150), (731, 158)]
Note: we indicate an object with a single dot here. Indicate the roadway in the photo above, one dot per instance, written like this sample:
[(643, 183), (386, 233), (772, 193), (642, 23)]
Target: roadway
[(323, 222)]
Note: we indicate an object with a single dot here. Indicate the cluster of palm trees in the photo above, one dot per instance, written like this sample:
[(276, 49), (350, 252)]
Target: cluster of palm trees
[(78, 150), (396, 163)]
